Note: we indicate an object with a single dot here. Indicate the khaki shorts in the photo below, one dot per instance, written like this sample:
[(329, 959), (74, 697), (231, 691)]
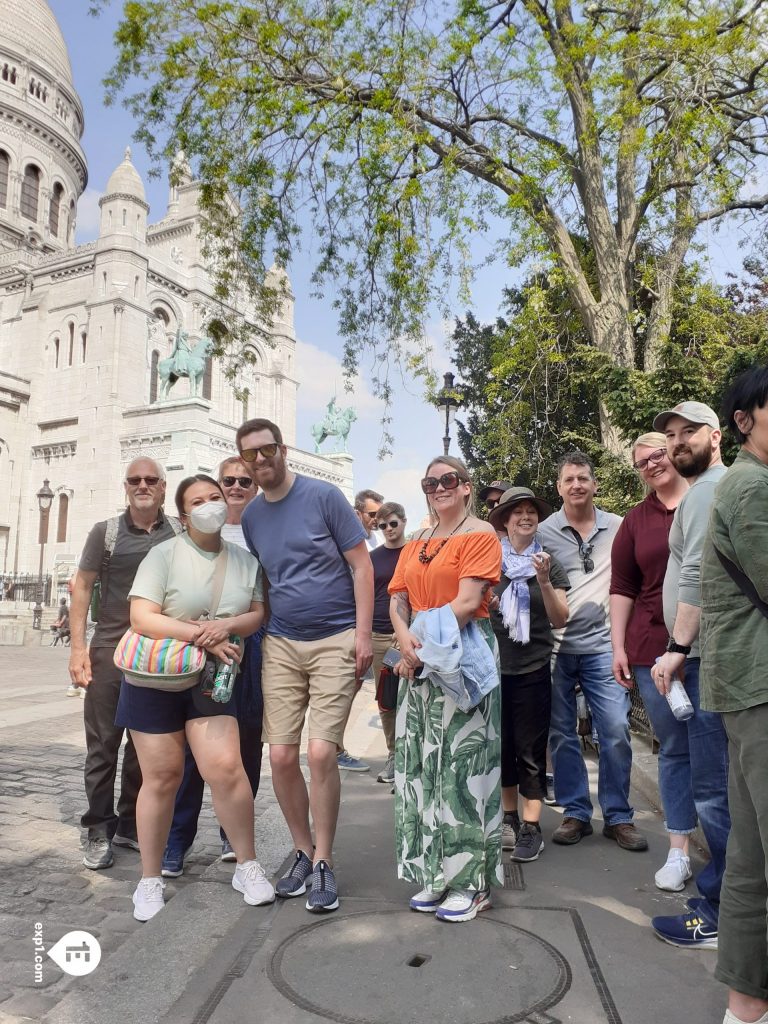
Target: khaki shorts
[(300, 673)]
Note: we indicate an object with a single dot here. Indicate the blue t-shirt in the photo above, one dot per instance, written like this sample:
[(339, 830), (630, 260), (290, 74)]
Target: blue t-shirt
[(300, 541)]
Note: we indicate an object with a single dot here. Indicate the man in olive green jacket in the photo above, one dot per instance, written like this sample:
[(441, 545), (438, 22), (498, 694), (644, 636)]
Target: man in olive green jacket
[(734, 672)]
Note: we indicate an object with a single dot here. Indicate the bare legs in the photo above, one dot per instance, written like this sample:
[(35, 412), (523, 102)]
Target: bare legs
[(531, 808), (296, 803)]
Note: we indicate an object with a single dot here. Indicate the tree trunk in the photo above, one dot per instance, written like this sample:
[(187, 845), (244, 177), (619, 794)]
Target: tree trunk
[(610, 332)]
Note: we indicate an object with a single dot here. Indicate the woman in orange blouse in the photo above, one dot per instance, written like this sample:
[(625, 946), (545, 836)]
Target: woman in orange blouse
[(447, 762)]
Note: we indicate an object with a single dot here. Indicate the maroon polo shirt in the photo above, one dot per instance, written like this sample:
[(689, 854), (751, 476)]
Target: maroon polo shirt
[(638, 564)]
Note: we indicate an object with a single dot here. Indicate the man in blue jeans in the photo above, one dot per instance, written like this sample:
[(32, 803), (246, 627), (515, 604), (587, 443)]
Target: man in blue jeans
[(693, 436), (580, 537)]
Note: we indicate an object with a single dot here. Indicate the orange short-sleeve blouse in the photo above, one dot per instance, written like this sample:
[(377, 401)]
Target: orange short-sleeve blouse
[(476, 554)]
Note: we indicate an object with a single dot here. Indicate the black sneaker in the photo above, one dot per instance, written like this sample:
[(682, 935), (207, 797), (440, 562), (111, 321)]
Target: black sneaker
[(529, 844), (323, 895), (510, 827), (295, 882)]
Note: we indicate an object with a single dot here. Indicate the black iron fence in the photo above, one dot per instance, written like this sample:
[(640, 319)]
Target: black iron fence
[(25, 587)]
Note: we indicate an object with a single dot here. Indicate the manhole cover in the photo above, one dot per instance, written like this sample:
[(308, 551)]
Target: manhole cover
[(397, 967)]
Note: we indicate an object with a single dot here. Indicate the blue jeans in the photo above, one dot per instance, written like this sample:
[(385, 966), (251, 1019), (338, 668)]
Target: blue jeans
[(708, 747), (675, 785), (250, 710), (609, 703)]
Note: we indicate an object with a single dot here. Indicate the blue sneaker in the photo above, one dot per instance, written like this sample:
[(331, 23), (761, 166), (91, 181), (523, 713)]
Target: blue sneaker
[(173, 862), (426, 901), (463, 904), (687, 930), (295, 882), (323, 895), (347, 763)]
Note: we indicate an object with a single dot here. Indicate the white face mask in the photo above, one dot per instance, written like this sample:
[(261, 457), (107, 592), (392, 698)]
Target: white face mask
[(210, 517)]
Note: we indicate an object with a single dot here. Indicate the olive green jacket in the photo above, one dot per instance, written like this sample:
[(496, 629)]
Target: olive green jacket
[(734, 634)]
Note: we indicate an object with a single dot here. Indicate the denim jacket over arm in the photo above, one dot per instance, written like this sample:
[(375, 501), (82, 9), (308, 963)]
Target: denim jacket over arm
[(459, 661)]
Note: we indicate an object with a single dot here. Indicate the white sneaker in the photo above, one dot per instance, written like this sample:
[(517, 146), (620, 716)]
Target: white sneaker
[(250, 880), (675, 873), (463, 904), (74, 691), (148, 899)]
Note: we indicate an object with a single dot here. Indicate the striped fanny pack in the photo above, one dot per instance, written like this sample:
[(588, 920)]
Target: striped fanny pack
[(159, 664)]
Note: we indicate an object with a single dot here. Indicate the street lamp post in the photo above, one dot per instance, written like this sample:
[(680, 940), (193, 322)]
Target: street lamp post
[(447, 404), (44, 502)]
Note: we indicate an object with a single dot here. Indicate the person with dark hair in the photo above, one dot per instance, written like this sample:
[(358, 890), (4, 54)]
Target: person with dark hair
[(391, 523), (367, 504), (638, 635), (734, 674), (317, 645), (693, 438), (530, 599), (447, 757), (172, 597), (580, 536), (238, 490)]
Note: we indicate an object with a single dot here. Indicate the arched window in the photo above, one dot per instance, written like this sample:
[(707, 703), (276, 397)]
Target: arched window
[(56, 347), (53, 214), (71, 344), (136, 287), (208, 378), (153, 379), (30, 192), (83, 345), (71, 224), (5, 167), (61, 528)]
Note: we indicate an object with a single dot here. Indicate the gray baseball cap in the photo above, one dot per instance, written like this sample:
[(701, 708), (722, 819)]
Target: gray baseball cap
[(694, 412)]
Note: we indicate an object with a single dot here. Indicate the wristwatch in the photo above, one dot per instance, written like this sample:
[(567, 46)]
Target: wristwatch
[(675, 648)]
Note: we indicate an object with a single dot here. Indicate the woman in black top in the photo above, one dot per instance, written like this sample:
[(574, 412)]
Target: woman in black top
[(530, 599)]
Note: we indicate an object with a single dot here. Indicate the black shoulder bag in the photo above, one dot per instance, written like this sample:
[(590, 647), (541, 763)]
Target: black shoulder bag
[(743, 582)]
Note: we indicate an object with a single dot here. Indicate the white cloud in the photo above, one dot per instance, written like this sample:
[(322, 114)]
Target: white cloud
[(320, 376), (88, 215), (403, 485)]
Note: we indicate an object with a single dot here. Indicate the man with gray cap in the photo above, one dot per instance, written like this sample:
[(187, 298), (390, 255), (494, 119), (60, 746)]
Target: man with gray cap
[(693, 437), (491, 495)]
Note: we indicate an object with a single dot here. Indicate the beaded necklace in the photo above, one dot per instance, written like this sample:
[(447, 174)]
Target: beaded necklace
[(424, 558)]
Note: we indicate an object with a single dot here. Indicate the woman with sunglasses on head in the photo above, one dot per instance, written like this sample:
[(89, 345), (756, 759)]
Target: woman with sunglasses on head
[(447, 776), (527, 603), (174, 589), (638, 564)]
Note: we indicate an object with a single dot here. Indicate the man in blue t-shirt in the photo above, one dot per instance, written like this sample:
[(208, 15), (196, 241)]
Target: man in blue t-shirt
[(318, 643)]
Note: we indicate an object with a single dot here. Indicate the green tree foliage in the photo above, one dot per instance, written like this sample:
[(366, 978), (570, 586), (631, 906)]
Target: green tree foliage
[(527, 380), (400, 130)]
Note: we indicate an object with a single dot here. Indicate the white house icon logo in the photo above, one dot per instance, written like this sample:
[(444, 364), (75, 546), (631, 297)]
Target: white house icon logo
[(76, 953)]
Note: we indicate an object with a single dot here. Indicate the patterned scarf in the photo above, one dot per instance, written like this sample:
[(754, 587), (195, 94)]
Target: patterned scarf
[(515, 604)]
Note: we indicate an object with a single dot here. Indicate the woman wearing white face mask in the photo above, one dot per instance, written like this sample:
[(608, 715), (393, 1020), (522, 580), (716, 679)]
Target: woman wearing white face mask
[(171, 597)]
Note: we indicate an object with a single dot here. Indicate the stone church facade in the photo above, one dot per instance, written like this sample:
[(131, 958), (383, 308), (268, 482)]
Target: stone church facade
[(84, 328)]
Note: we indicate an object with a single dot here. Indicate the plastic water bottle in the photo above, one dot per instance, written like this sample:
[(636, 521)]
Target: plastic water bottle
[(224, 681), (679, 701)]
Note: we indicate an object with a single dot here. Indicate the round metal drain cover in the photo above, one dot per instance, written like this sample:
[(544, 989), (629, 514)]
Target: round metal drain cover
[(398, 967)]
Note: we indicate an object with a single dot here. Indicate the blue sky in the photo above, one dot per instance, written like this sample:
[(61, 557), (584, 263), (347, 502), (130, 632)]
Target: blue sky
[(417, 427)]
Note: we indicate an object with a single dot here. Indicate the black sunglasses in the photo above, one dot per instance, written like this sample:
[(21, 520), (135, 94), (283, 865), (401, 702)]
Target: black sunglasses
[(491, 503), (585, 550), (267, 451), (382, 526), (230, 481), (656, 456), (150, 481), (450, 482)]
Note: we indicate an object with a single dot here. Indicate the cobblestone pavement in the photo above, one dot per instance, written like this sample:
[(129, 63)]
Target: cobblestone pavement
[(42, 878)]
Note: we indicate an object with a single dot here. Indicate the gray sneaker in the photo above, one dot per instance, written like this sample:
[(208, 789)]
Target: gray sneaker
[(295, 882), (529, 844), (97, 853), (510, 827), (387, 773), (323, 896)]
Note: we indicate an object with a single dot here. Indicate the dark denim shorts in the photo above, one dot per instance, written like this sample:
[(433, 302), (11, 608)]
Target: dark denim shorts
[(159, 711)]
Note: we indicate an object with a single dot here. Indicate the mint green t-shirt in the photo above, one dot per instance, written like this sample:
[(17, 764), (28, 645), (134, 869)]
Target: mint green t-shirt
[(178, 575)]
